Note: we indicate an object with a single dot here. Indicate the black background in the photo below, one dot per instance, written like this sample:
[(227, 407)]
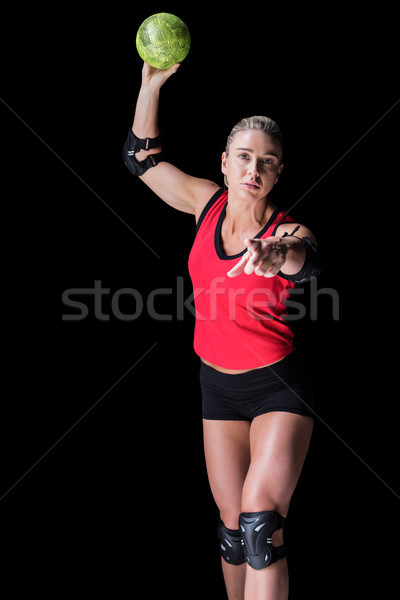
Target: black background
[(120, 497)]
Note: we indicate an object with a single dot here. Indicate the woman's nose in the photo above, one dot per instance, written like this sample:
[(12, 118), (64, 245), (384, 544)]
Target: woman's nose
[(252, 168)]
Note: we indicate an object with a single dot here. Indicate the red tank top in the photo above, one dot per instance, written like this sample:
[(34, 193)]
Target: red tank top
[(239, 321)]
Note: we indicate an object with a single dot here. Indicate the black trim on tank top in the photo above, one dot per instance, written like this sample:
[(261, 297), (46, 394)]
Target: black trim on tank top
[(217, 238), (209, 204)]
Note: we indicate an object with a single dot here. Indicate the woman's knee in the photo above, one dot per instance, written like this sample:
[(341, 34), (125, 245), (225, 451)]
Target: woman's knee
[(257, 498), (230, 516)]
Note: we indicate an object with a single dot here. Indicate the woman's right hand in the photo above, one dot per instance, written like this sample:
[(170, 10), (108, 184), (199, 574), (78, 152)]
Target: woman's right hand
[(155, 78)]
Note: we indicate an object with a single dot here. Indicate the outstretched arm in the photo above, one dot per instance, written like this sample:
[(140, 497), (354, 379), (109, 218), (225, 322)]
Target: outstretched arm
[(293, 256)]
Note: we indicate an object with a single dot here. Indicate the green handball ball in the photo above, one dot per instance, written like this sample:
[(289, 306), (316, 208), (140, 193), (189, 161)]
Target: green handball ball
[(163, 40)]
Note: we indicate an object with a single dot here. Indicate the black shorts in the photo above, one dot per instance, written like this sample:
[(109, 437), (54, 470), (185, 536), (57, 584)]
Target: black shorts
[(283, 386)]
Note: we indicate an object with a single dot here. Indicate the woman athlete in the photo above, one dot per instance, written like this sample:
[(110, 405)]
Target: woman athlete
[(256, 396)]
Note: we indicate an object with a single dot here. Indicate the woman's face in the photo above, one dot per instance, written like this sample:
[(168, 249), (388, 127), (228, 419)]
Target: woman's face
[(253, 164)]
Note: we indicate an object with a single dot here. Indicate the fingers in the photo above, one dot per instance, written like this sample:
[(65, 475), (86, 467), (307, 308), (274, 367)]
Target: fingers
[(254, 247), (246, 263), (265, 271), (243, 265), (168, 72), (150, 71), (239, 267), (157, 77), (263, 258), (174, 68)]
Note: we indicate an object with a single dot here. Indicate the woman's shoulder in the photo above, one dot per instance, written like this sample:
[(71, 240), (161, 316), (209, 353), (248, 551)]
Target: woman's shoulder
[(208, 192)]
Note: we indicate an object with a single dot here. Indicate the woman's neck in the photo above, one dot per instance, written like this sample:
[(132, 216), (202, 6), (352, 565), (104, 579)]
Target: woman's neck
[(242, 215)]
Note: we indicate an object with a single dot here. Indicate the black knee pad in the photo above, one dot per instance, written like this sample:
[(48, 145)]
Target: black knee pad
[(256, 530), (231, 545)]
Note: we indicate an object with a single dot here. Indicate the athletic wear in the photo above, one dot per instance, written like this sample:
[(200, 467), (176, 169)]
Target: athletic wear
[(239, 321), (231, 547), (257, 529), (283, 386)]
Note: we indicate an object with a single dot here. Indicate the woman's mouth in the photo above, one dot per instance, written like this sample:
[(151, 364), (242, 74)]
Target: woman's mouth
[(251, 185)]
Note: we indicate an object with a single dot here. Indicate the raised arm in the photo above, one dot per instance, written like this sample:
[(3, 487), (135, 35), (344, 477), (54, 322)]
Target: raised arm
[(178, 189)]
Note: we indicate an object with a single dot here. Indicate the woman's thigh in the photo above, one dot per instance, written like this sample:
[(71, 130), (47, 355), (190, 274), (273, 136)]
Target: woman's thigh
[(279, 443), (227, 454)]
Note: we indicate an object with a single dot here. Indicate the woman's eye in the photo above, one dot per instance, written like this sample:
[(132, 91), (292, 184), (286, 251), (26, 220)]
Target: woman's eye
[(266, 161)]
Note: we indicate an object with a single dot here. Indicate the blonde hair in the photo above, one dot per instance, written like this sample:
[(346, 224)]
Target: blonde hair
[(259, 123)]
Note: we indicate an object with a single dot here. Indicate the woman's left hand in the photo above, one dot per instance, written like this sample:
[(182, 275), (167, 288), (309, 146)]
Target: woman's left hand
[(264, 257)]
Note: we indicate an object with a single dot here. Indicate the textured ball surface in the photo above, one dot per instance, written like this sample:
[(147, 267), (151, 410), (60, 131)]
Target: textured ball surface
[(163, 40)]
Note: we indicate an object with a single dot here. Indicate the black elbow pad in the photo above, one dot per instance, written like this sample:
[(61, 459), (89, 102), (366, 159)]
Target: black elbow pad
[(312, 265), (134, 144)]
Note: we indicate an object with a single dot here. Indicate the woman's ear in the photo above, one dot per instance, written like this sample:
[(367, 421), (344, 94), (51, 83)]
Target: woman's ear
[(224, 158)]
